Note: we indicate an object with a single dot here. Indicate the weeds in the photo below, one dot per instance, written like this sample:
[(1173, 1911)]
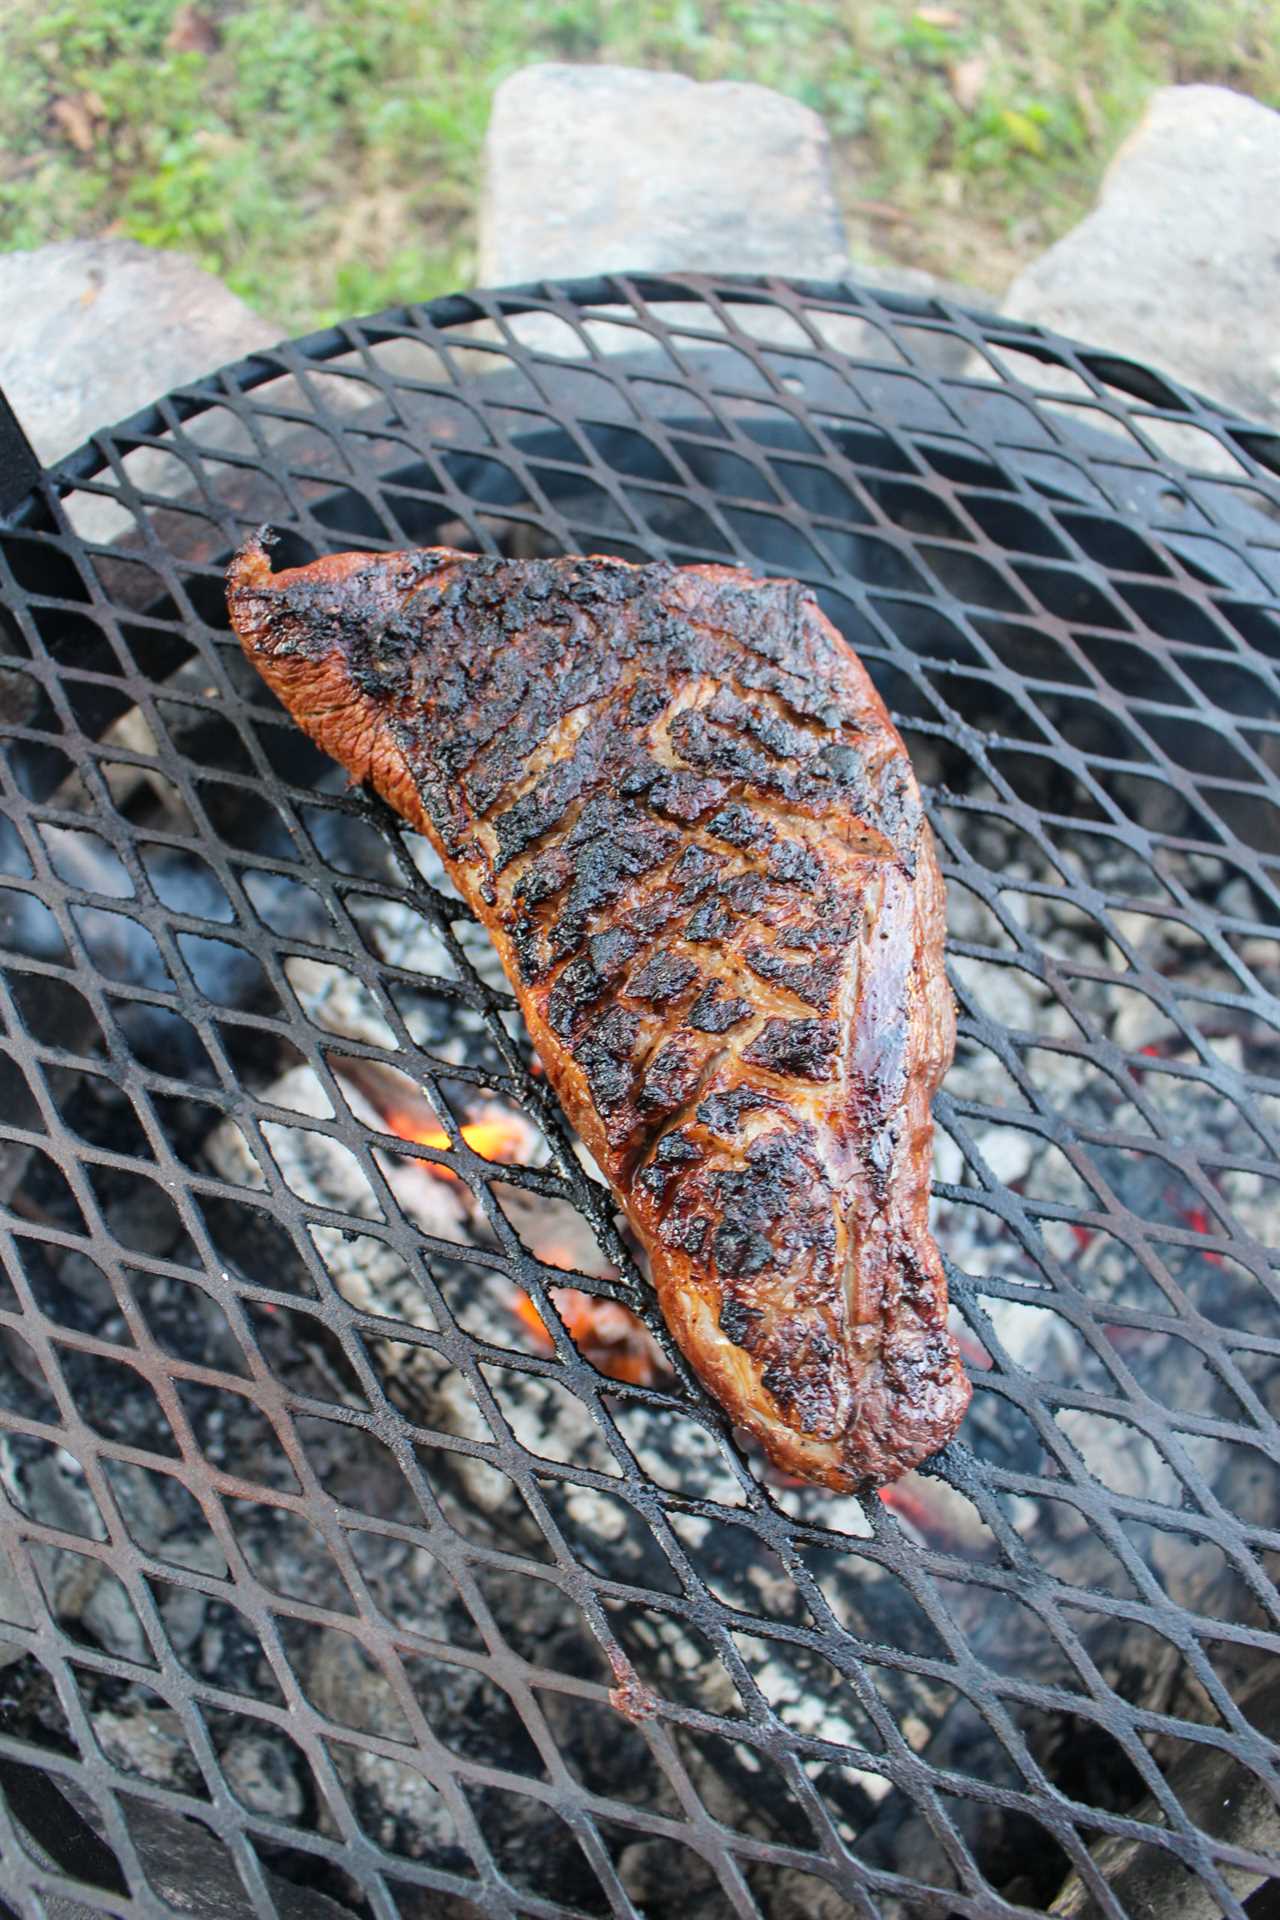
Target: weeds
[(322, 155)]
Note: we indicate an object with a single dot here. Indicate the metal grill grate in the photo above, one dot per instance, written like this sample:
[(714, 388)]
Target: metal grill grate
[(334, 1577)]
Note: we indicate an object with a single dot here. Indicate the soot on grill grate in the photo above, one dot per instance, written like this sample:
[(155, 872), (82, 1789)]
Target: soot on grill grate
[(365, 1547)]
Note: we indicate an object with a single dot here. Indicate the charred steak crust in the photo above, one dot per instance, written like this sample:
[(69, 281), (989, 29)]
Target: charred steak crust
[(680, 809)]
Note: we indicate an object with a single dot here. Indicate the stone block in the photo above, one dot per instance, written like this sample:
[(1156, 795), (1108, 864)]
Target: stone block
[(593, 169), (95, 329), (1178, 265)]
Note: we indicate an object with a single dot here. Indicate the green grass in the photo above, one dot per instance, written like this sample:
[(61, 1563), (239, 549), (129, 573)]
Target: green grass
[(322, 155)]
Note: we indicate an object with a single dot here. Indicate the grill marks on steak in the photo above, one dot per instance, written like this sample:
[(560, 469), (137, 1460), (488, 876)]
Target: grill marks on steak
[(680, 809)]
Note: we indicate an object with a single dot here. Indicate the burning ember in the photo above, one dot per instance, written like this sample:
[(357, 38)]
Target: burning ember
[(497, 1135), (500, 1140), (604, 1332)]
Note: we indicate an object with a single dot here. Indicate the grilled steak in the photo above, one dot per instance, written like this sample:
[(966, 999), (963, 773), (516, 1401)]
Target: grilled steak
[(677, 804)]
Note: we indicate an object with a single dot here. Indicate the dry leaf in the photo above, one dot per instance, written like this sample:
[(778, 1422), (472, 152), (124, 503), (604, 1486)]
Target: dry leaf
[(880, 210), (945, 17), (966, 79), (75, 123), (1089, 109), (192, 32)]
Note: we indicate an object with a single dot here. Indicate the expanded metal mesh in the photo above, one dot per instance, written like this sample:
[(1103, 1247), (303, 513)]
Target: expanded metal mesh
[(348, 1564)]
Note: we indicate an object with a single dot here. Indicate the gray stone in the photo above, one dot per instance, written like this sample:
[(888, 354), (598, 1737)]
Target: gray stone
[(1179, 263), (96, 329), (594, 169)]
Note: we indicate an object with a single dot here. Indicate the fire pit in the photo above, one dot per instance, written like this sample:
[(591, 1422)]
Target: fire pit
[(366, 1547)]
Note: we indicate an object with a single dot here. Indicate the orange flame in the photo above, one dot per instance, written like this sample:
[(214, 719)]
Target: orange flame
[(911, 1507), (605, 1333), (532, 1322), (498, 1140)]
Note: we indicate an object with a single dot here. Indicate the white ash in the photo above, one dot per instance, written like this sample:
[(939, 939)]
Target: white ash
[(1078, 1094), (182, 1609), (82, 1593), (678, 1453), (1069, 1086), (554, 1424), (396, 1802), (79, 1590), (149, 1742), (397, 1806), (374, 1279), (370, 1274), (545, 1416), (260, 1773), (396, 934)]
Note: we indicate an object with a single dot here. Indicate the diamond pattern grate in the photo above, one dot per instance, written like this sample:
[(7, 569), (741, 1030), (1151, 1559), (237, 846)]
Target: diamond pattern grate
[(348, 1562)]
